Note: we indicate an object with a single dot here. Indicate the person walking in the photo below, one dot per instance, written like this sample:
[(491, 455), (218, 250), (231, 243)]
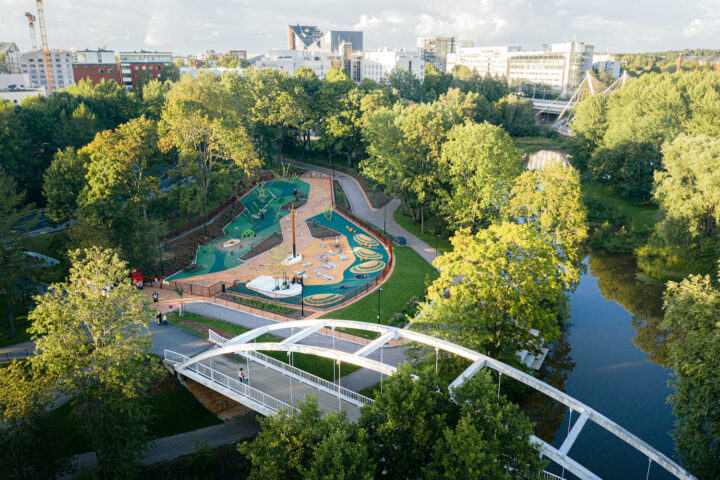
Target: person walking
[(155, 297), (242, 376)]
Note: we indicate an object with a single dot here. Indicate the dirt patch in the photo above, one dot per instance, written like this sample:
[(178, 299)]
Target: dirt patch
[(202, 328), (268, 243), (215, 402), (320, 231), (167, 383)]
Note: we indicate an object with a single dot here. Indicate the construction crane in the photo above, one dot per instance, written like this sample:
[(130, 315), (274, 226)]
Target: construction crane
[(46, 50), (31, 21)]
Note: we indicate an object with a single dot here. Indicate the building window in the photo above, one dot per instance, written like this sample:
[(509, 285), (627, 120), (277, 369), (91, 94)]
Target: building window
[(102, 70), (110, 70), (143, 67), (158, 67), (137, 68)]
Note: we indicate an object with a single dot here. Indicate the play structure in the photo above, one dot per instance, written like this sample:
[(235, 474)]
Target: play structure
[(290, 245), (259, 221)]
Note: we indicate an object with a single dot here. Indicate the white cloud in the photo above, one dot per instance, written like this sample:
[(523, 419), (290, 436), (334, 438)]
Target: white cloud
[(213, 34), (702, 27)]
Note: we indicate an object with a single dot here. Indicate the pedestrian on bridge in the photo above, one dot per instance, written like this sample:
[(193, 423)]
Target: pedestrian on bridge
[(243, 376)]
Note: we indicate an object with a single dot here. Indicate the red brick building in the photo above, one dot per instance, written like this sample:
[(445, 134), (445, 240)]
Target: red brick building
[(134, 64), (96, 65)]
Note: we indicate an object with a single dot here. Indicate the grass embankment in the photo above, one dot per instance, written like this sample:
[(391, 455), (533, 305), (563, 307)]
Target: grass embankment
[(535, 144), (616, 224), (409, 278), (322, 367), (174, 411), (443, 244)]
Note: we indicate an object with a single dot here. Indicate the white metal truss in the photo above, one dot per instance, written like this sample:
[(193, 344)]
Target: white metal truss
[(192, 367)]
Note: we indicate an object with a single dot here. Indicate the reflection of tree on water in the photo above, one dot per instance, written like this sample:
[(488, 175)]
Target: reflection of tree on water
[(618, 281), (548, 414)]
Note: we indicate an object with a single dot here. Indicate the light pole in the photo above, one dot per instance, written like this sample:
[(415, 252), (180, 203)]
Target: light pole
[(437, 237), (378, 315), (302, 298), (385, 220)]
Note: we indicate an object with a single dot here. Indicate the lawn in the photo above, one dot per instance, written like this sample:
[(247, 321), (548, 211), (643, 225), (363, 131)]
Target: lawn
[(535, 144), (643, 213), (174, 411), (443, 244), (21, 325), (322, 367), (408, 278)]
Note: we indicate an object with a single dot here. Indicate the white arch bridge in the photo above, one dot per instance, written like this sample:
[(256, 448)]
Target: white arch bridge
[(274, 384)]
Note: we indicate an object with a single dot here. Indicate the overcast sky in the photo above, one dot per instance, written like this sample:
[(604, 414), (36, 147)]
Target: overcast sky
[(192, 26)]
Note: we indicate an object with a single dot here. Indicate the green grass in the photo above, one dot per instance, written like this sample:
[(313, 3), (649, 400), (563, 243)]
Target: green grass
[(322, 367), (535, 144), (443, 244), (407, 279), (21, 325), (174, 411), (643, 213)]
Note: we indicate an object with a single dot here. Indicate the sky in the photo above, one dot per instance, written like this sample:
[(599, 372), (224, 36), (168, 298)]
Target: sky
[(191, 26)]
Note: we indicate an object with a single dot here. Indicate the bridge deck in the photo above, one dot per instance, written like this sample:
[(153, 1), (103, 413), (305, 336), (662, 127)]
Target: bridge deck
[(278, 385)]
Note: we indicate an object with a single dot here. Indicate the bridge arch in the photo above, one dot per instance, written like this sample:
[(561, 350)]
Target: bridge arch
[(559, 455)]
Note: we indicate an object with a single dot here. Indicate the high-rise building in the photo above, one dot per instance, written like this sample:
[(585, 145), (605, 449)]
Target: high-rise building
[(12, 56), (332, 40), (301, 37), (436, 49), (561, 67), (96, 66), (135, 64), (33, 63)]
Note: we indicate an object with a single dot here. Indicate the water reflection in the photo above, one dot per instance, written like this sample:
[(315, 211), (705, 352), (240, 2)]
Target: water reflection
[(617, 278)]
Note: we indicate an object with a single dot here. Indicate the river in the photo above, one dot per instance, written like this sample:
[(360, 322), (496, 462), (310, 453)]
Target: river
[(610, 358)]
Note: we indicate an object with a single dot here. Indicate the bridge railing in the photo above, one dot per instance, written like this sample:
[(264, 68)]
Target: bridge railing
[(228, 382), (301, 375)]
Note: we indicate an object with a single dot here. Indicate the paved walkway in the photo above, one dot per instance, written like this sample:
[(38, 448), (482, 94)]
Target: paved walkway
[(167, 448), (17, 350), (360, 206)]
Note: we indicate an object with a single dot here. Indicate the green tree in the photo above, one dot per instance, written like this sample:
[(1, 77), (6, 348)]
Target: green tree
[(93, 342), (14, 266), (472, 106), (142, 78), (309, 101), (169, 73), (550, 201), (481, 163), (153, 98), (404, 84), (201, 124), (511, 282), (691, 319), (626, 168), (77, 129), (435, 83), (14, 145), (62, 183), (589, 125), (516, 115), (688, 189), (304, 445), (404, 147), (27, 450), (3, 64)]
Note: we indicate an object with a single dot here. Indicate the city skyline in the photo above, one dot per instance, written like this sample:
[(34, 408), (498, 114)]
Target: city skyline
[(187, 28)]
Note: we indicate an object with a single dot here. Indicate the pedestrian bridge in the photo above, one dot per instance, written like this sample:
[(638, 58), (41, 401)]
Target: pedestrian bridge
[(275, 385)]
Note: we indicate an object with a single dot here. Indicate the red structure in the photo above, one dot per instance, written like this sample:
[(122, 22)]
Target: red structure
[(137, 277), (97, 72)]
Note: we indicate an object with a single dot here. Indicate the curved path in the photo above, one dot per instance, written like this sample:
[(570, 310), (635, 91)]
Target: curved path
[(360, 206)]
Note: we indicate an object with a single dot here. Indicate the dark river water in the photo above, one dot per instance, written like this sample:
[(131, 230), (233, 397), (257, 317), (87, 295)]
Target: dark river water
[(610, 359)]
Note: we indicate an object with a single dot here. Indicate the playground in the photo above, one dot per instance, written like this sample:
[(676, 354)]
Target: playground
[(334, 256)]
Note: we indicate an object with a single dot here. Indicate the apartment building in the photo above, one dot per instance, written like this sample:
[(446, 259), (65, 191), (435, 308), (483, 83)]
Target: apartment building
[(33, 63), (133, 65), (96, 66)]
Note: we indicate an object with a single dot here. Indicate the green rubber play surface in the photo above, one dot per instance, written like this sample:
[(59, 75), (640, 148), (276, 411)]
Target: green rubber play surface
[(371, 258), (259, 220)]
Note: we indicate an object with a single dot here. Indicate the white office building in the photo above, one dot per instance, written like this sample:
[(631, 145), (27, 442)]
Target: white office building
[(290, 60), (33, 63), (562, 67), (15, 87), (379, 64), (484, 60), (607, 63)]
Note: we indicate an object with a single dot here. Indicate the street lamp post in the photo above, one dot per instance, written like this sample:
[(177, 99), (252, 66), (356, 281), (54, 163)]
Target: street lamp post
[(378, 315), (385, 220), (437, 237), (302, 298)]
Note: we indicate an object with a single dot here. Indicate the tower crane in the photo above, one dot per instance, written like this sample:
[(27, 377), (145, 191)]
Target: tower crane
[(46, 50), (31, 21)]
